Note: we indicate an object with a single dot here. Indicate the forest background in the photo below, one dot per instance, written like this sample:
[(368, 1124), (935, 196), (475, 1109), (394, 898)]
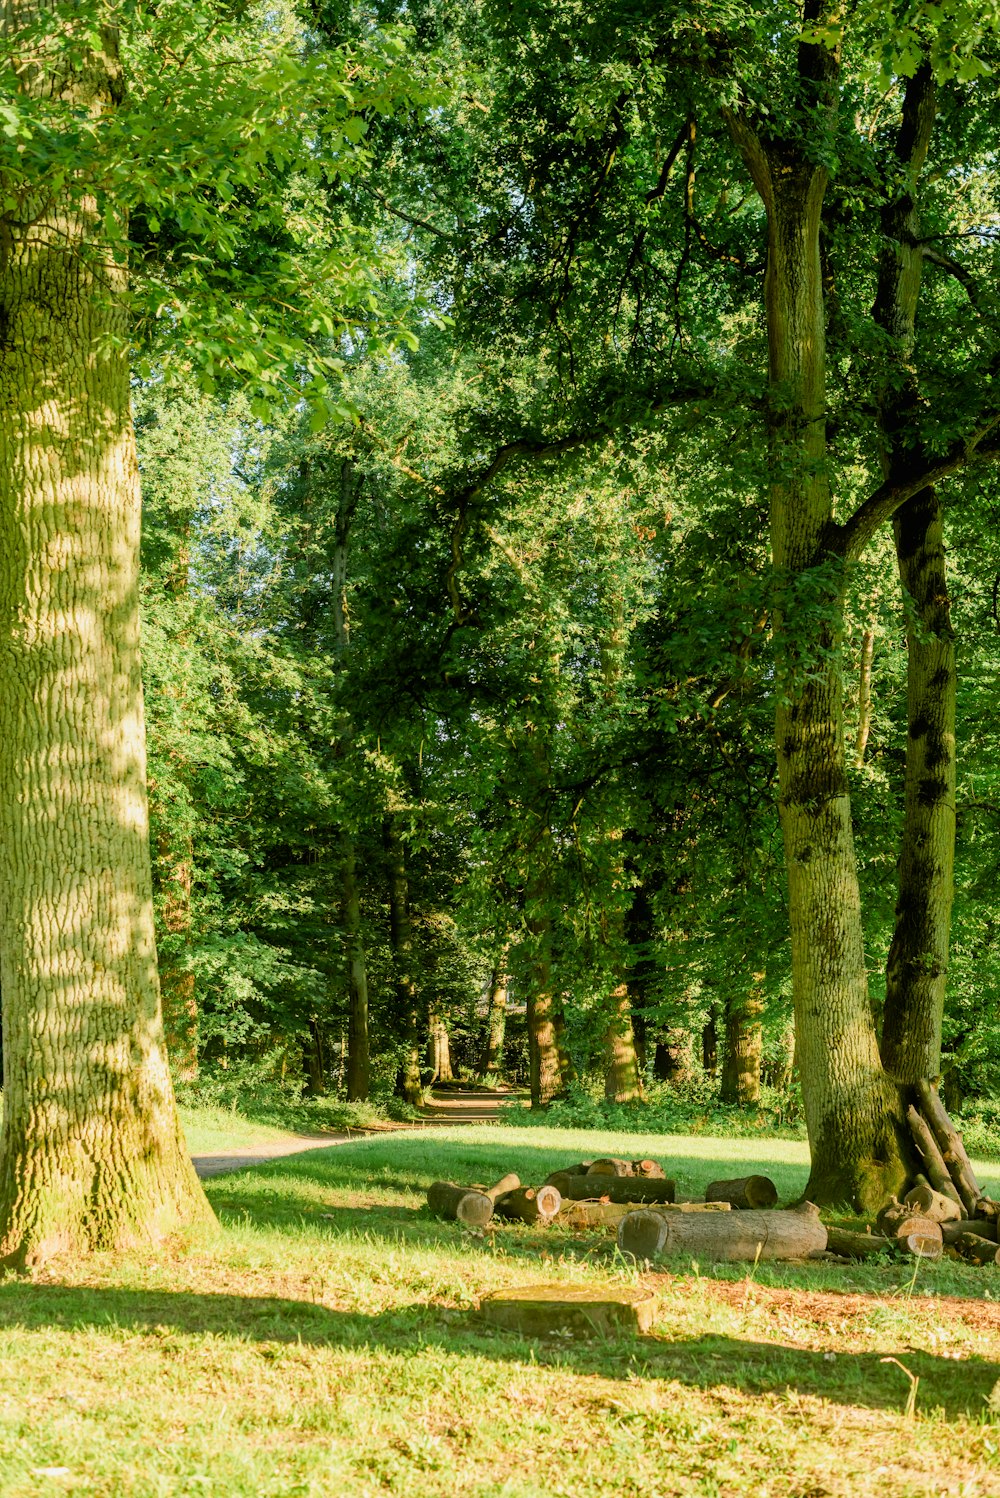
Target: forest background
[(549, 420)]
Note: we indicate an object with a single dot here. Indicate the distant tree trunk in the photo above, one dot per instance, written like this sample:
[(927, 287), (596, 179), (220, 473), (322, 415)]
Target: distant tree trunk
[(91, 1150), (177, 980), (496, 1022), (313, 1057), (744, 1047), (710, 1045), (401, 942), (358, 1054), (864, 697), (350, 485), (439, 1050), (918, 956), (622, 1082), (543, 1046)]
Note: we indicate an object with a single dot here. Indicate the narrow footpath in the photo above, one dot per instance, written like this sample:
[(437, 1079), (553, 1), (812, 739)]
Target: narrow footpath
[(447, 1108)]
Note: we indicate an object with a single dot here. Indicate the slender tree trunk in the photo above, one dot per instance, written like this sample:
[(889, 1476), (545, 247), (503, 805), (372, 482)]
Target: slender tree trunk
[(710, 1045), (358, 1054), (496, 1022), (744, 1048), (864, 698), (175, 865), (91, 1150), (918, 957), (621, 1079), (543, 1045), (314, 1062), (853, 1111), (401, 942), (358, 1050)]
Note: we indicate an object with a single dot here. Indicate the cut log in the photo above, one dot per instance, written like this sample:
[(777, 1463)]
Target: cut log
[(927, 1145), (932, 1204), (922, 1243), (607, 1215), (585, 1311), (611, 1167), (950, 1144), (615, 1188), (532, 1205), (858, 1245), (569, 1170), (729, 1238), (503, 1187), (649, 1169), (747, 1193), (458, 1204), (976, 1249), (952, 1231), (896, 1218)]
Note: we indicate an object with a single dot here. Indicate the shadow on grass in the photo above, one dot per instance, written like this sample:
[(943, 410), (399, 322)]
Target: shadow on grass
[(855, 1379)]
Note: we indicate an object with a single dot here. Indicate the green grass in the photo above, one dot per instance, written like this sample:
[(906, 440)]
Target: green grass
[(220, 1131), (324, 1344)]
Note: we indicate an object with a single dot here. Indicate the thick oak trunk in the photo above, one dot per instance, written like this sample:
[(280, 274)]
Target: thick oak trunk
[(91, 1150)]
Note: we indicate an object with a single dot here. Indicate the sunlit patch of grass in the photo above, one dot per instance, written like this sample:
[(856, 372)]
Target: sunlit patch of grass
[(324, 1343)]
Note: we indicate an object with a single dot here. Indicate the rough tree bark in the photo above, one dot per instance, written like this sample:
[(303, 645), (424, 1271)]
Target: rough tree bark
[(853, 1111), (918, 957), (91, 1150)]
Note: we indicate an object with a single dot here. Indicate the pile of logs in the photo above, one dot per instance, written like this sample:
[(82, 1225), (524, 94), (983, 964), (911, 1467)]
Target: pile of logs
[(946, 1211), (602, 1194)]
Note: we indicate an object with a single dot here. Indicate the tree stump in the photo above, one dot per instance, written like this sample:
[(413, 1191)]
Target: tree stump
[(586, 1311)]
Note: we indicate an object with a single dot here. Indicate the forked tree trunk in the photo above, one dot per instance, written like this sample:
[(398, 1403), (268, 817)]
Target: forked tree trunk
[(853, 1111), (91, 1150), (918, 957)]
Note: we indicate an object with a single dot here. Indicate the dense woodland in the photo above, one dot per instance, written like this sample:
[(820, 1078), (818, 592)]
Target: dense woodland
[(569, 567)]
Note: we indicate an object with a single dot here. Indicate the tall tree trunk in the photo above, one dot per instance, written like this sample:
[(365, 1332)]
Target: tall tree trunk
[(91, 1150), (918, 956), (543, 1044), (864, 697), (401, 942), (853, 1111), (358, 1054), (350, 483), (439, 1050), (710, 1045), (496, 1019), (313, 1057), (744, 1047)]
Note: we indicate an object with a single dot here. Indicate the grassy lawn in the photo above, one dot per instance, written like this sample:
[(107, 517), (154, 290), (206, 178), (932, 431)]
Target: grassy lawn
[(323, 1345), (220, 1131)]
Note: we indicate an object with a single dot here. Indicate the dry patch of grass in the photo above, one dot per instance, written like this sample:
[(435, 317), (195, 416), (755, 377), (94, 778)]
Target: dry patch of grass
[(325, 1344)]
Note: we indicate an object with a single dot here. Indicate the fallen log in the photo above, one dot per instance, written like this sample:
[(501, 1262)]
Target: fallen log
[(648, 1168), (951, 1146), (729, 1238), (611, 1167), (912, 1233), (927, 1146), (975, 1249), (458, 1204), (569, 1170), (952, 1231), (503, 1187), (607, 1215), (932, 1204), (529, 1204), (747, 1193), (857, 1245), (615, 1188)]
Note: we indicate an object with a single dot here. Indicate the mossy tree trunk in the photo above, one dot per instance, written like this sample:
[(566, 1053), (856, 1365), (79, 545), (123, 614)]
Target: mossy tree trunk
[(743, 1047), (91, 1150), (918, 956), (853, 1110), (496, 1018)]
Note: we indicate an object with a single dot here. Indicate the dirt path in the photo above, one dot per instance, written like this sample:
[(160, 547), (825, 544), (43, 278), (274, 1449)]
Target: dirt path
[(446, 1109)]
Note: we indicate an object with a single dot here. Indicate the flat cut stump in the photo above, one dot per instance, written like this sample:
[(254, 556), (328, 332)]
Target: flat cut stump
[(540, 1309)]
